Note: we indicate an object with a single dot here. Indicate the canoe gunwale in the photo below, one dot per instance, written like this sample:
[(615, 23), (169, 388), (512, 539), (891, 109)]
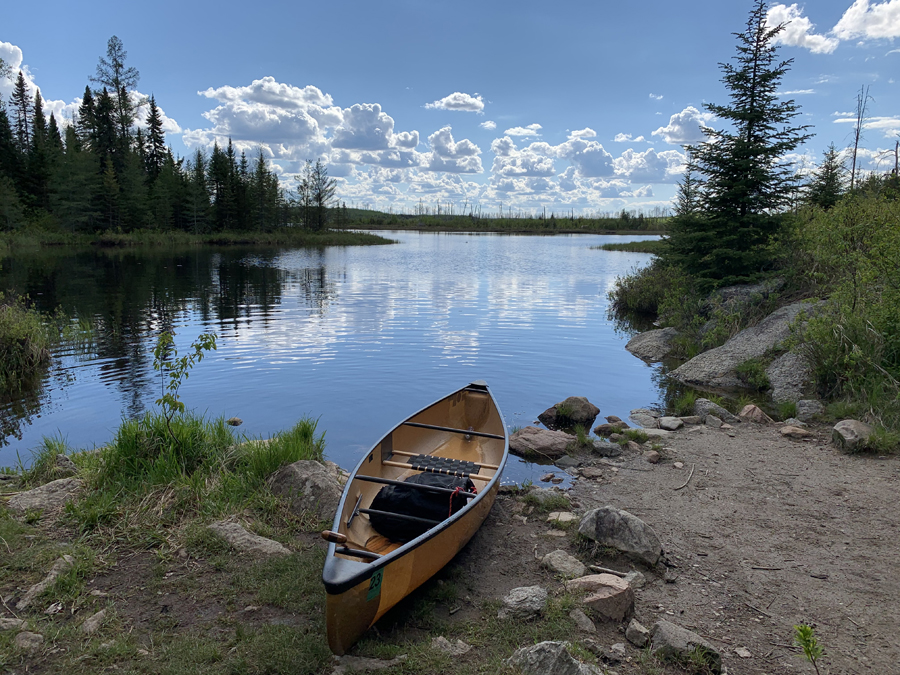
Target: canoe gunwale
[(335, 586)]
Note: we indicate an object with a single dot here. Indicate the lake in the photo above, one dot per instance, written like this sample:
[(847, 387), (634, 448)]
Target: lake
[(358, 337)]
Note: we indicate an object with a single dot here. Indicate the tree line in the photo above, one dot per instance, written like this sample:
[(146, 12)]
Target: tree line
[(103, 172)]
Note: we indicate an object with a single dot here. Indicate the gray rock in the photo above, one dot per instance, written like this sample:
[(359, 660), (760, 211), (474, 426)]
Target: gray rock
[(610, 428), (610, 526), (652, 346), (49, 496), (617, 652), (850, 435), (92, 624), (741, 296), (310, 487), (61, 565), (808, 410), (637, 635), (578, 411), (672, 642), (562, 563), (692, 419), (789, 376), (607, 449), (64, 467), (794, 422), (561, 517), (714, 422), (549, 658), (544, 495), (10, 624), (657, 433), (242, 540), (361, 664), (608, 596), (583, 621), (670, 423), (536, 442), (796, 433), (652, 456), (523, 603), (716, 367), (635, 579), (566, 462), (645, 418), (704, 407), (29, 642), (457, 648)]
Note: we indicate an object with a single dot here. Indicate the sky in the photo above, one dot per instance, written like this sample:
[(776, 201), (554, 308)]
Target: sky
[(572, 106)]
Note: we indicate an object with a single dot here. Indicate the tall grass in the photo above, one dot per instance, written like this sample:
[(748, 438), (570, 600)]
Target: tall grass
[(24, 343)]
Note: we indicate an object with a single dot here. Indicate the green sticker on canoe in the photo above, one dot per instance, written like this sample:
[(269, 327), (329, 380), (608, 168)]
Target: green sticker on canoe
[(375, 585)]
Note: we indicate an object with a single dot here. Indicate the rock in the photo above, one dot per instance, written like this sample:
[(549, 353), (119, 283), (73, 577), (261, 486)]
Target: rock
[(10, 624), (703, 407), (613, 419), (234, 421), (808, 410), (544, 495), (672, 642), (547, 477), (610, 428), (242, 540), (794, 422), (591, 473), (643, 417), (716, 367), (615, 438), (338, 472), (632, 446), (310, 487), (64, 467), (542, 443), (523, 603), (743, 652), (621, 530), (608, 596), (670, 423), (29, 642), (637, 635), (566, 414), (549, 658), (92, 624), (360, 664), (583, 621), (566, 462), (850, 435), (678, 465), (789, 375), (692, 419), (617, 652), (635, 579), (752, 413), (49, 496), (652, 346), (457, 648), (796, 433), (564, 564), (61, 565), (561, 517), (714, 422), (652, 456)]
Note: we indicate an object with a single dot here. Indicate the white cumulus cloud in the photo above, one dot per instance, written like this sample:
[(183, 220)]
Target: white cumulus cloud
[(684, 128), (530, 130), (459, 101), (490, 125), (798, 31), (587, 132), (872, 21), (627, 138), (453, 156)]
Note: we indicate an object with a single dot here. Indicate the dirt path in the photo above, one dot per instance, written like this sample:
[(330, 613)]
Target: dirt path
[(768, 533)]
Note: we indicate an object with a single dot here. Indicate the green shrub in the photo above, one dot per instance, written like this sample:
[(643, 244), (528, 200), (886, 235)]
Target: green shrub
[(684, 403), (752, 372), (646, 290), (25, 341), (787, 410)]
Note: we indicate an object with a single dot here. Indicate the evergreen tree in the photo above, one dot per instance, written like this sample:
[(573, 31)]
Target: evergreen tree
[(745, 180), (9, 155), (305, 194), (829, 183), (76, 186), (322, 194), (198, 193), (103, 140), (37, 182), (85, 123), (120, 81), (23, 112), (156, 141)]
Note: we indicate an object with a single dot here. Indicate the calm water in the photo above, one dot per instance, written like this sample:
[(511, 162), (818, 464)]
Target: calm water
[(359, 337)]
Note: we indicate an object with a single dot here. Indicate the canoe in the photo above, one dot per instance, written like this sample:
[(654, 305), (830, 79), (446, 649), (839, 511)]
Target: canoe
[(365, 573)]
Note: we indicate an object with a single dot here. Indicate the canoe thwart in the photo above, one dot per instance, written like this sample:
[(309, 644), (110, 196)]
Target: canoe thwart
[(416, 486), (401, 465), (468, 432), (445, 465), (334, 537), (355, 552), (416, 454), (401, 516)]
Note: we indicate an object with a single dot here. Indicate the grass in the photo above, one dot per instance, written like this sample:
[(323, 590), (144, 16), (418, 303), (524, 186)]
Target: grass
[(654, 246), (25, 341), (549, 504), (683, 405), (635, 435), (787, 410), (752, 373)]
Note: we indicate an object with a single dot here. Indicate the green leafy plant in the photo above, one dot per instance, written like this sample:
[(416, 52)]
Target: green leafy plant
[(752, 372), (684, 404), (168, 363), (805, 638), (787, 410)]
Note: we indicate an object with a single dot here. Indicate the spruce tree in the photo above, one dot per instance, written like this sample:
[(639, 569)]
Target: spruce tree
[(119, 81), (9, 155), (745, 181), (37, 181), (23, 113), (85, 122), (155, 141), (829, 183), (323, 193)]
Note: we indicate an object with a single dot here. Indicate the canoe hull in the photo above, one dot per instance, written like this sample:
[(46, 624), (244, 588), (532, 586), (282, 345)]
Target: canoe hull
[(353, 612)]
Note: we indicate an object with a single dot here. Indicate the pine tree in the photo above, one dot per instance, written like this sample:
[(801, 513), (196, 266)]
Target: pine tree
[(37, 179), (23, 113), (76, 186), (829, 183), (156, 141), (120, 81), (9, 155), (745, 181), (85, 123), (323, 193), (198, 193)]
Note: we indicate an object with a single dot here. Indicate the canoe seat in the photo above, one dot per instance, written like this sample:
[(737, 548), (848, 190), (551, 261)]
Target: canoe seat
[(443, 465)]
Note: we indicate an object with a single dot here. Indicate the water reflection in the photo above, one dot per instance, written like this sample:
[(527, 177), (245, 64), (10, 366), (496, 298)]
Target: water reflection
[(358, 336)]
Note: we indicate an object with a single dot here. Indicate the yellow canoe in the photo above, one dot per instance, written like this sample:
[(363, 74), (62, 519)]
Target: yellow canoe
[(366, 574)]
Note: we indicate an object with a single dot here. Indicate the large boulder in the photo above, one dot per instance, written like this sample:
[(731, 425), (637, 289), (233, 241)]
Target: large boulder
[(652, 346), (549, 658), (523, 603), (789, 376), (310, 487), (716, 367), (809, 409), (851, 435), (704, 407), (608, 596), (533, 442), (621, 530), (49, 496), (742, 296), (566, 414), (669, 642)]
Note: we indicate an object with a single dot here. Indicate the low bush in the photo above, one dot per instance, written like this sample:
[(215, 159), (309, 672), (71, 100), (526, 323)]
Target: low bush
[(24, 343), (752, 372)]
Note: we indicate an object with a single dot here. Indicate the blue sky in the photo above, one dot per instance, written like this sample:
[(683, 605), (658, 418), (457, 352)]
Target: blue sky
[(529, 105)]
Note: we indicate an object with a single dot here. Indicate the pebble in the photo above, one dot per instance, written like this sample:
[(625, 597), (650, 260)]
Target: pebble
[(678, 465)]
